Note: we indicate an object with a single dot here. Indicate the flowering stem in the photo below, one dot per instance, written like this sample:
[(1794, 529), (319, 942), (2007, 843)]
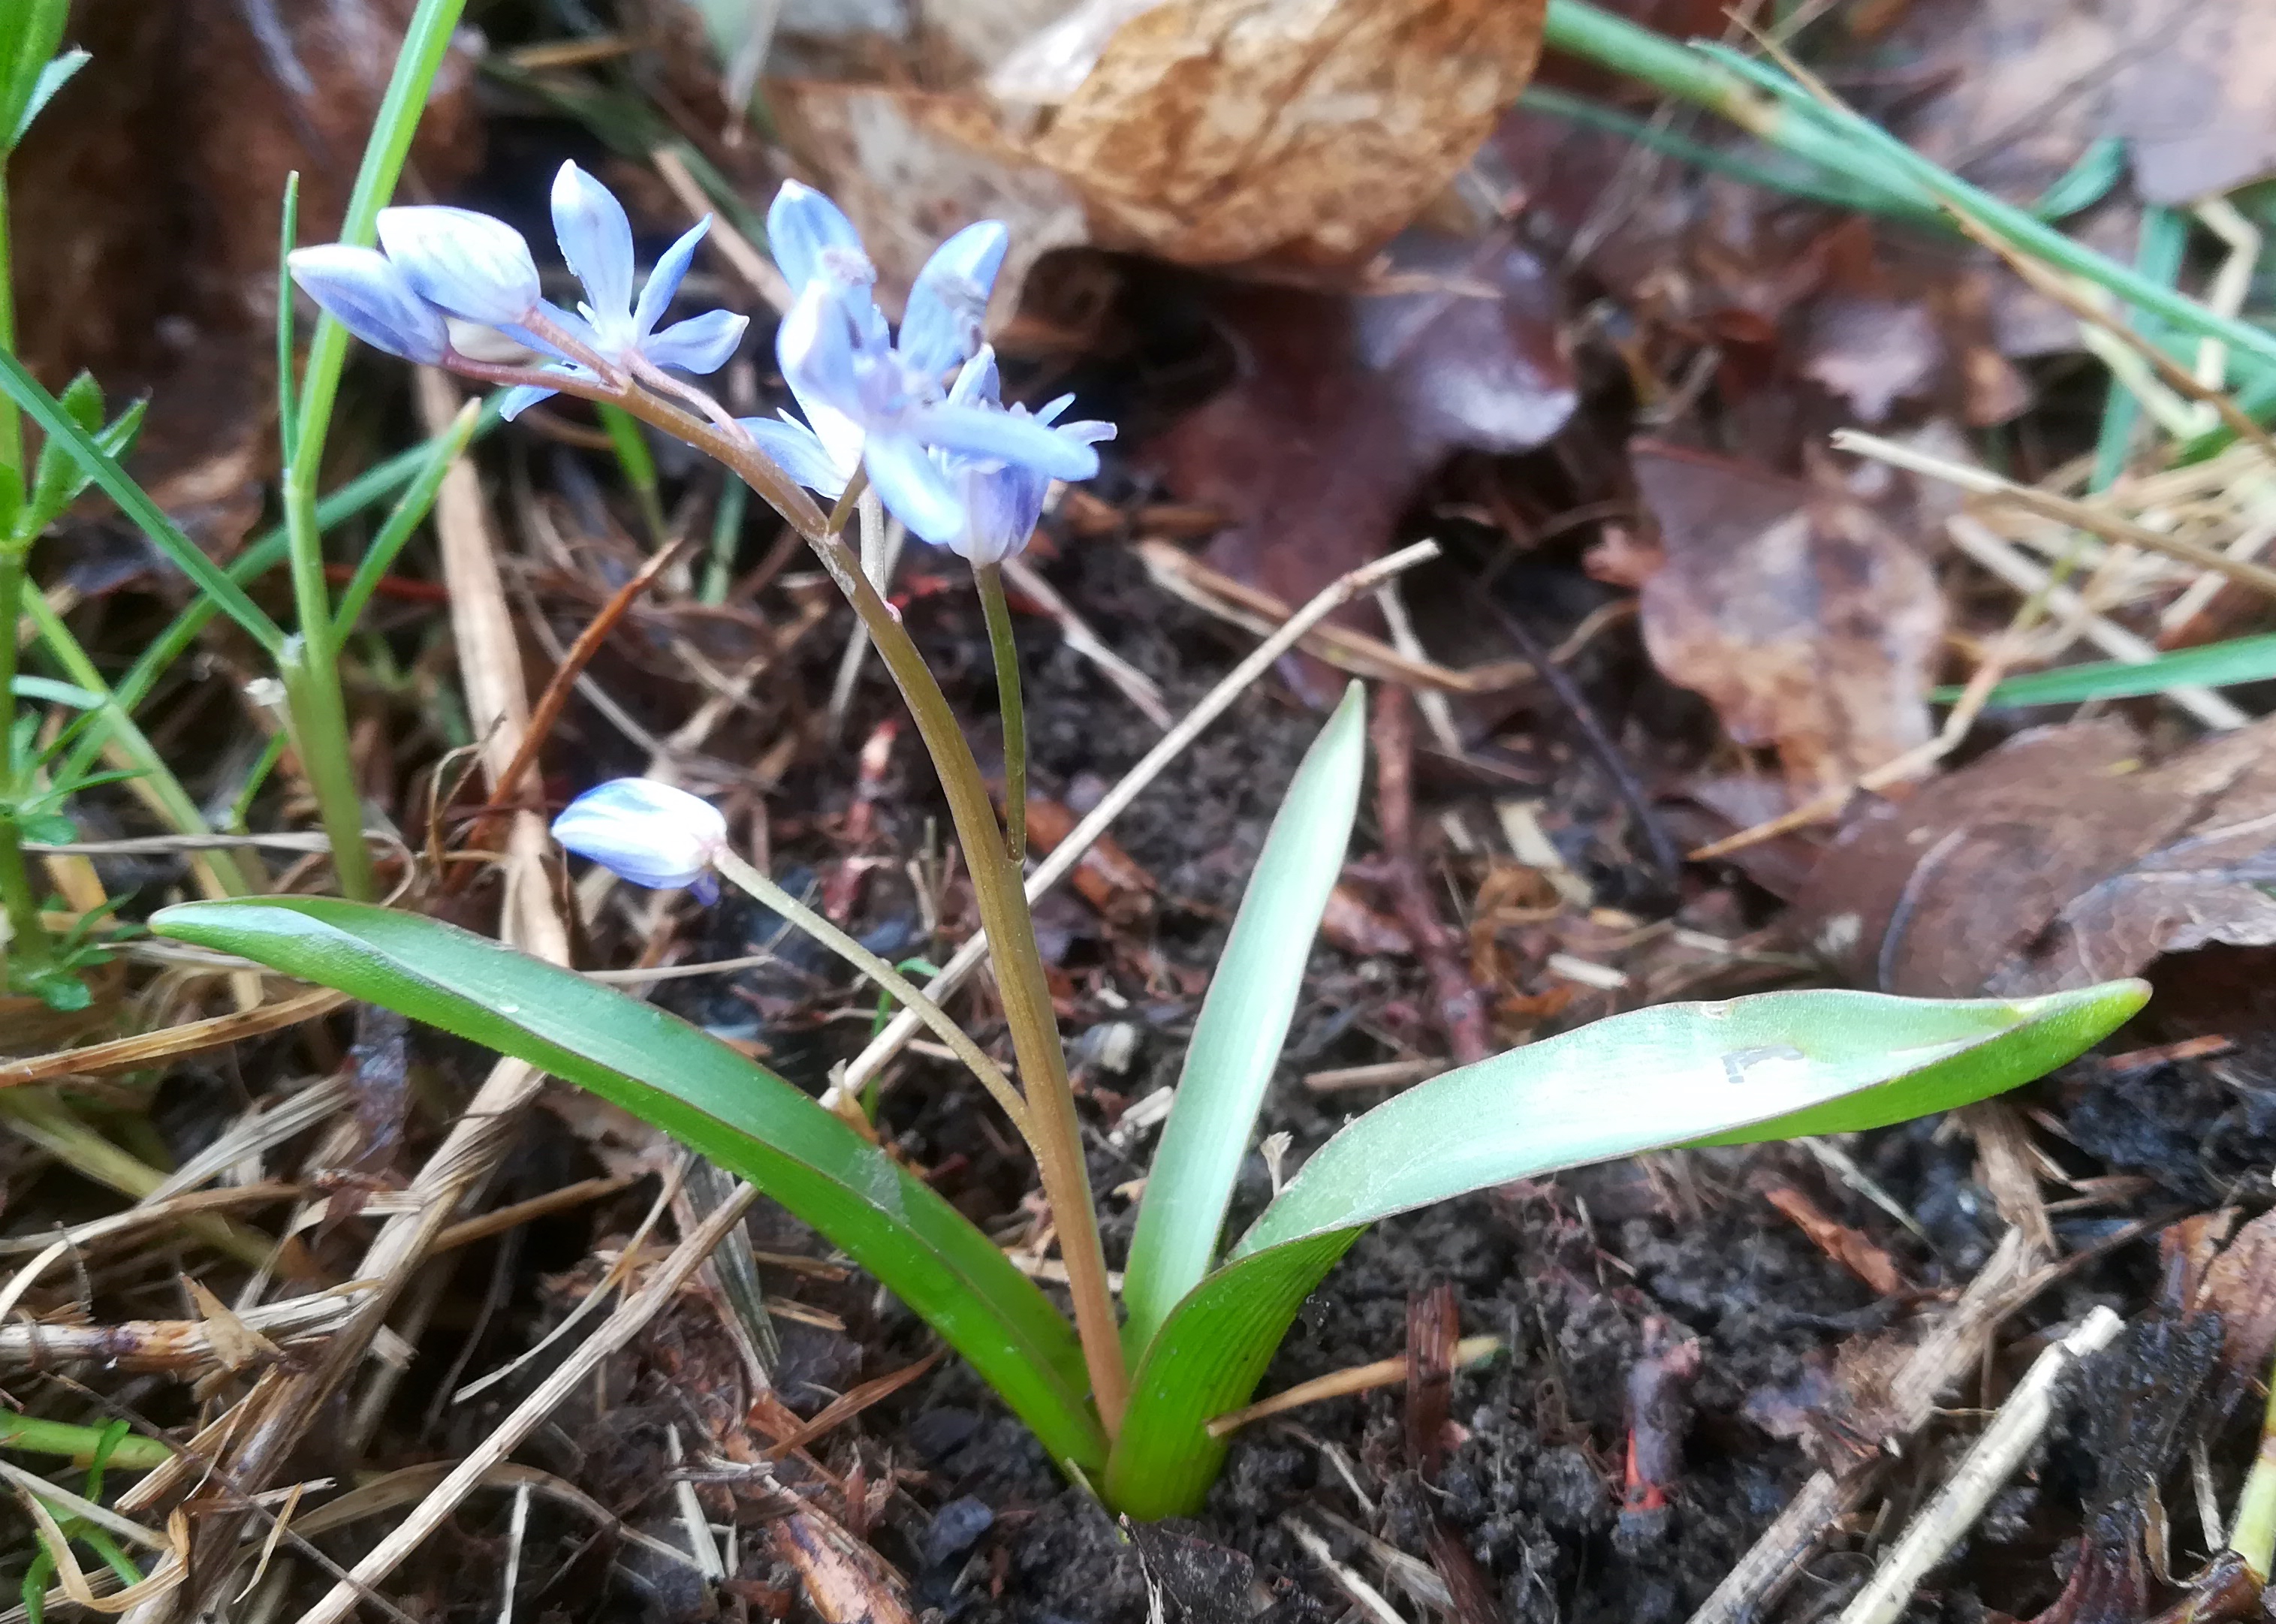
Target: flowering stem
[(12, 427), (760, 887), (989, 578), (27, 938), (996, 880)]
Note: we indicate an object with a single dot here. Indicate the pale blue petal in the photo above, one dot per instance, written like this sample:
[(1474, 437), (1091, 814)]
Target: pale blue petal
[(814, 346), (649, 833), (372, 299), (799, 451), (701, 344), (1003, 436), (802, 228), (976, 383), (476, 268), (521, 397), (664, 281), (941, 326), (576, 326), (1001, 511), (597, 240), (914, 488)]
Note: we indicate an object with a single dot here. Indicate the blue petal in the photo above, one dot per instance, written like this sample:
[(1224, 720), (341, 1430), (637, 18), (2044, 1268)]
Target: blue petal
[(976, 382), (814, 346), (914, 488), (802, 228), (941, 325), (475, 267), (372, 299), (799, 451), (701, 344), (520, 397), (597, 240), (652, 834), (1002, 507), (1003, 436), (665, 279)]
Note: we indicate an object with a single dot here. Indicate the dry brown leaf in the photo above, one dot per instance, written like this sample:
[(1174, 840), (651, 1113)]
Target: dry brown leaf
[(1807, 623), (2193, 100), (1214, 131), (2058, 860), (145, 203)]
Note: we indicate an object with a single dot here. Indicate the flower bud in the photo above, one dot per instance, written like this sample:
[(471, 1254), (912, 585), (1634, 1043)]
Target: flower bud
[(649, 833), (372, 299), (475, 267)]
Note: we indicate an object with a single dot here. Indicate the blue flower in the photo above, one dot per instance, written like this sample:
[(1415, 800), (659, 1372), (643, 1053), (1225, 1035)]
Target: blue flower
[(649, 833), (872, 402), (1003, 501), (372, 299), (467, 264), (596, 240)]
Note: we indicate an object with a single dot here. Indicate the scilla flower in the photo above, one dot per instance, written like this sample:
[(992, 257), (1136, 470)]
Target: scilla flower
[(471, 266), (1003, 501), (649, 833), (875, 404), (596, 240), (373, 299)]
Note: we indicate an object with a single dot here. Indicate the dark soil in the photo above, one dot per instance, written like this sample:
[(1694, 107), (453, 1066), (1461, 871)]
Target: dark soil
[(1581, 1276)]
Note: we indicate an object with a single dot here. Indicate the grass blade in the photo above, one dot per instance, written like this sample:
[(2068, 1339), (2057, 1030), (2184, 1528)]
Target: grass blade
[(2215, 666)]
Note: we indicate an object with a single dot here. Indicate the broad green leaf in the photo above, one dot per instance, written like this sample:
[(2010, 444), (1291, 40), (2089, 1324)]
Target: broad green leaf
[(1243, 1023), (21, 387), (736, 1113), (1768, 1066), (2215, 666)]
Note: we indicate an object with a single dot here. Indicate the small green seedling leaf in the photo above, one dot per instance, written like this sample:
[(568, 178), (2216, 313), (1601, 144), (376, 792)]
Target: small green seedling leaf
[(47, 828), (49, 80), (706, 1095), (30, 33), (1774, 1065), (1244, 1022)]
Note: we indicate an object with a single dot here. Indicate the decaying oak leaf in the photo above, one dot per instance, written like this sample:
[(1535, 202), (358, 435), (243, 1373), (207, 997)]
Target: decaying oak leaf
[(1215, 131), (2194, 102), (1807, 622), (2059, 859)]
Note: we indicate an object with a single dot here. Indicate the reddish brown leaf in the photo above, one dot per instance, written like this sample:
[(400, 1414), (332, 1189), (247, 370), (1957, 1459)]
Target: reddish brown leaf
[(2057, 860), (1806, 621)]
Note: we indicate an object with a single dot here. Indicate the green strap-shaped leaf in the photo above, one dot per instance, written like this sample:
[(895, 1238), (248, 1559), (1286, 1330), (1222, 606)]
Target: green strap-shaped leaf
[(1244, 1022), (700, 1091), (1770, 1067)]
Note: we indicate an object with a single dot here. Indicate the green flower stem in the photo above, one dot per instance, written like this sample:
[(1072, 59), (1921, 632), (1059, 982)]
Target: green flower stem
[(318, 718), (131, 748), (11, 426), (999, 890), (311, 669), (761, 888), (996, 880), (989, 578), (60, 1437), (27, 938)]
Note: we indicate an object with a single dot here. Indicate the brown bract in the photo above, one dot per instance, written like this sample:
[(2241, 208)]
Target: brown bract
[(1213, 131), (1807, 622)]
